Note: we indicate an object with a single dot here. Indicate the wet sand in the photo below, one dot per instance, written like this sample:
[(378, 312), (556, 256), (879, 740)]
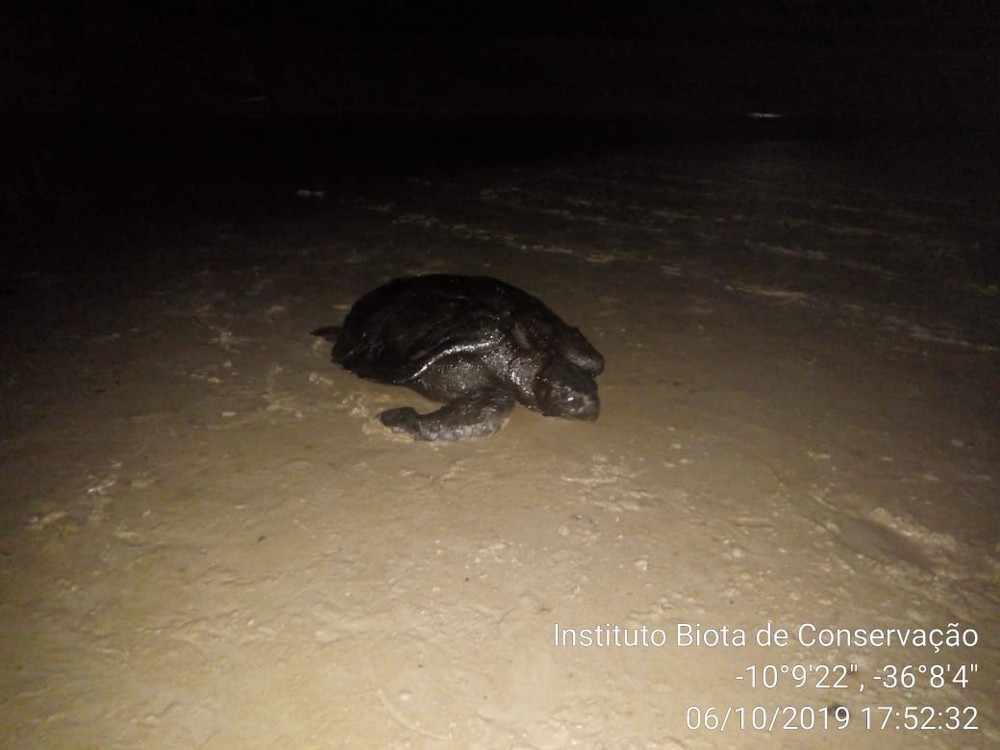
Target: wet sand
[(208, 540)]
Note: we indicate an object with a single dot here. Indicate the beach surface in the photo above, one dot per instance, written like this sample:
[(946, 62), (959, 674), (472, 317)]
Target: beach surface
[(208, 540)]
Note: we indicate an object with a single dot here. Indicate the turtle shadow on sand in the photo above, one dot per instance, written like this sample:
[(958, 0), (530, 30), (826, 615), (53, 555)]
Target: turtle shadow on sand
[(472, 342)]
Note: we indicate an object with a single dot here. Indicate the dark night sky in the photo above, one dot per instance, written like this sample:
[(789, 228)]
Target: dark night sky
[(118, 93), (640, 58)]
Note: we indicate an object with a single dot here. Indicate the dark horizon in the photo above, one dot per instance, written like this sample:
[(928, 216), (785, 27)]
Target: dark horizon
[(901, 63), (119, 104)]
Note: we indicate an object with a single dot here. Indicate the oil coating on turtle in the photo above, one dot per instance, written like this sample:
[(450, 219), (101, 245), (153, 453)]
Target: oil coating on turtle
[(473, 342)]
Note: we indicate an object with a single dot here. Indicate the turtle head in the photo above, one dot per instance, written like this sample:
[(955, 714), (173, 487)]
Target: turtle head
[(565, 390)]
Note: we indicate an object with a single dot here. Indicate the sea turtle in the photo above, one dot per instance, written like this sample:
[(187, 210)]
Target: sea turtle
[(472, 342)]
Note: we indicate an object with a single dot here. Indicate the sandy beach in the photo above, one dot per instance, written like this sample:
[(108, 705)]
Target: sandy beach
[(207, 540)]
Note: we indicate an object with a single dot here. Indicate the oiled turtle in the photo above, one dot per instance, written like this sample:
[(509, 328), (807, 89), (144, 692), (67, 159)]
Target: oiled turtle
[(473, 342)]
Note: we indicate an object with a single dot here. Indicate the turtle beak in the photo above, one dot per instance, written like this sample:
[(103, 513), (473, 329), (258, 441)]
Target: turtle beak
[(588, 409)]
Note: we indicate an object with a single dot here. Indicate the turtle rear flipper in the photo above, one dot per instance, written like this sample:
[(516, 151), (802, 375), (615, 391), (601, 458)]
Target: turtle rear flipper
[(330, 333), (475, 414)]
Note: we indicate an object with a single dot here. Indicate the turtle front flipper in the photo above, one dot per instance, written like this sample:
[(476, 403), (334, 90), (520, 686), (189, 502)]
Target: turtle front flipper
[(475, 414), (581, 352)]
